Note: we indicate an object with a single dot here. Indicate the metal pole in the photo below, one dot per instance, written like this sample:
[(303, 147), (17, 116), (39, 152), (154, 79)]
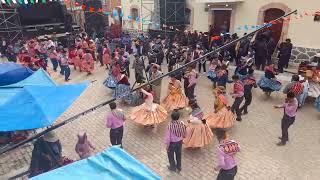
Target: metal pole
[(2, 151)]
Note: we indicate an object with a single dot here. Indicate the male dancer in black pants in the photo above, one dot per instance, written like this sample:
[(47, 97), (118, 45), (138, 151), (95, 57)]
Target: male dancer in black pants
[(238, 93)]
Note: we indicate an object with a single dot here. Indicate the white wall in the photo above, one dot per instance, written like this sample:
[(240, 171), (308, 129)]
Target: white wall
[(199, 18), (303, 32)]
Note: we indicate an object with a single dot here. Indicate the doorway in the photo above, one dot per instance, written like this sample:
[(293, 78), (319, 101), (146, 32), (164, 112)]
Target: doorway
[(276, 29), (221, 21)]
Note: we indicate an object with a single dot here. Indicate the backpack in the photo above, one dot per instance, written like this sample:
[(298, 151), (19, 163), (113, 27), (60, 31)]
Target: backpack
[(297, 89), (230, 147)]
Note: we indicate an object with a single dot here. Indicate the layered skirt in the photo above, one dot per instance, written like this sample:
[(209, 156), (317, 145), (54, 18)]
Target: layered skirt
[(175, 101), (224, 119), (268, 85), (110, 82), (122, 92), (197, 135), (143, 115)]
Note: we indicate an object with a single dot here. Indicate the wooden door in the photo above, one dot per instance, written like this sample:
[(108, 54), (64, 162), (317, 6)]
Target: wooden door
[(276, 29), (221, 21)]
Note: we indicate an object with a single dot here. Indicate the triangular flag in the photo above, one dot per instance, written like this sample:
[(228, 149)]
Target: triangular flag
[(91, 9), (121, 14), (83, 7), (100, 10)]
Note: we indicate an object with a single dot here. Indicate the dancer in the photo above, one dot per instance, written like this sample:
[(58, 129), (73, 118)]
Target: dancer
[(64, 65), (84, 147), (227, 149), (268, 83), (222, 117), (139, 68), (198, 132), (305, 91), (122, 90), (175, 98), (295, 86), (88, 62), (156, 86), (149, 113), (212, 73), (175, 133), (115, 121), (249, 83), (222, 75), (290, 107), (238, 95), (190, 81), (106, 55)]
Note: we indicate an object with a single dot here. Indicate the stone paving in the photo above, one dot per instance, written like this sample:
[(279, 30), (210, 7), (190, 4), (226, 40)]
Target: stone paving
[(260, 158)]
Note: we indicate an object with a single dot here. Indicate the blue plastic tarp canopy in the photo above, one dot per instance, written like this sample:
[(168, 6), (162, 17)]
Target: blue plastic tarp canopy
[(32, 107), (39, 77), (12, 73), (112, 164)]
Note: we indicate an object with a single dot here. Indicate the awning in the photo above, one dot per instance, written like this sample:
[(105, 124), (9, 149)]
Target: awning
[(11, 73), (112, 164), (32, 107)]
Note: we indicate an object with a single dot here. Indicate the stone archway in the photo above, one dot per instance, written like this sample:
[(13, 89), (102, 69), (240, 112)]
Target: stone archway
[(281, 6)]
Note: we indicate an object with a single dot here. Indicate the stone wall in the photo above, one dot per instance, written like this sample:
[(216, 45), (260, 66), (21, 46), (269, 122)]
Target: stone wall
[(300, 54)]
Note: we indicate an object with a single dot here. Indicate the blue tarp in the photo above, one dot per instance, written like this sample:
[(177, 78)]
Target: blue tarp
[(12, 73), (36, 106), (112, 164), (40, 78)]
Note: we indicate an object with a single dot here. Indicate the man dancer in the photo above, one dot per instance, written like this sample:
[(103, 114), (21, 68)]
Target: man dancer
[(238, 92), (290, 109), (174, 136)]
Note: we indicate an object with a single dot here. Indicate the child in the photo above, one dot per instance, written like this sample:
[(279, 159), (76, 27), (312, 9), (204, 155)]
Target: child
[(212, 72), (83, 146)]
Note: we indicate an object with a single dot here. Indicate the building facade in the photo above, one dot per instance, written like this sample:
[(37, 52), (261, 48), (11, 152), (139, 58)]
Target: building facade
[(240, 15)]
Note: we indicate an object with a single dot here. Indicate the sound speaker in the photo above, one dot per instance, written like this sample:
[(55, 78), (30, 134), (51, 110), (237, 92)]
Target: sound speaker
[(95, 21)]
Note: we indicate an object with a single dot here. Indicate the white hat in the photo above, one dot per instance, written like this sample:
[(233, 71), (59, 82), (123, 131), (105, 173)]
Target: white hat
[(318, 55)]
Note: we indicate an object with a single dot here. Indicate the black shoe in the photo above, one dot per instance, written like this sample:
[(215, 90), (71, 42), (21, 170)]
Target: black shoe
[(239, 119), (281, 138), (281, 143), (178, 170), (245, 112), (171, 169)]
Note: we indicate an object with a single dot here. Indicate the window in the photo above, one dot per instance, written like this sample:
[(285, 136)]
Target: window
[(187, 16)]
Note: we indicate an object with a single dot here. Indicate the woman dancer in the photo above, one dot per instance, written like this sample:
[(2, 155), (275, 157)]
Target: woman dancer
[(268, 83), (198, 132), (222, 117), (106, 55), (77, 61), (113, 76), (212, 74), (122, 90), (175, 98), (149, 113), (88, 62)]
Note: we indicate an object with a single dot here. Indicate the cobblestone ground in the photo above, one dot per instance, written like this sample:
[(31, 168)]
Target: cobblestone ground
[(258, 133)]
